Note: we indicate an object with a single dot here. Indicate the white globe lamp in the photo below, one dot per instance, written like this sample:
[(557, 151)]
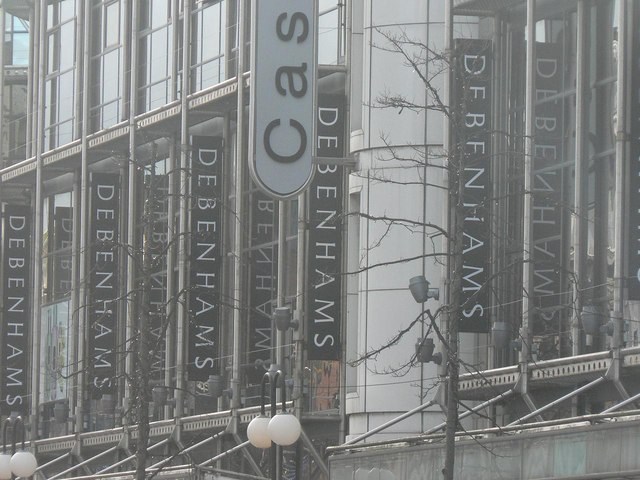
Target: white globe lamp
[(257, 432), (284, 429), (5, 466), (23, 464)]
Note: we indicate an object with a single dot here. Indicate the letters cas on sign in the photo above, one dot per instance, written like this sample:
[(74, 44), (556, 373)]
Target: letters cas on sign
[(283, 74)]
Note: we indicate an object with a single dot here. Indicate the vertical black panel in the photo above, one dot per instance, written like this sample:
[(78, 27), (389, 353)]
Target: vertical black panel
[(16, 327), (263, 282), (157, 245), (103, 282), (324, 257), (205, 260), (633, 248), (473, 138), (547, 212)]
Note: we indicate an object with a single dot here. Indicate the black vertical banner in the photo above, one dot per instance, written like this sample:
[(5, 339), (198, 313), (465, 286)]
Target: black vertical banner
[(16, 300), (547, 214), (324, 256), (473, 138), (633, 243), (157, 244), (262, 282), (103, 282), (205, 258)]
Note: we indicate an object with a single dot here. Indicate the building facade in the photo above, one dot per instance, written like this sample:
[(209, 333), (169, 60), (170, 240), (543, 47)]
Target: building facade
[(142, 264)]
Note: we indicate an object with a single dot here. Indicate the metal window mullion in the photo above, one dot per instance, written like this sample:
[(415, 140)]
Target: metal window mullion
[(579, 238), (527, 266), (182, 316), (79, 39), (131, 195), (622, 139), (2, 69), (35, 248), (32, 89), (175, 43), (239, 211)]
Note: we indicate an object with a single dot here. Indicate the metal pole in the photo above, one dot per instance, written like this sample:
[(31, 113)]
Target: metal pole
[(527, 243), (183, 190), (224, 454), (81, 253), (456, 196), (535, 413), (617, 406), (131, 457), (132, 190), (82, 464), (475, 409), (2, 68), (282, 242), (36, 248), (621, 149), (578, 213), (385, 425), (187, 450), (239, 215)]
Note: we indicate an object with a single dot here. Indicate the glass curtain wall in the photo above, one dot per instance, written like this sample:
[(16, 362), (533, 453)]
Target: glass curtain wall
[(107, 63), (55, 320), (60, 82), (16, 41), (331, 32), (209, 28), (156, 54)]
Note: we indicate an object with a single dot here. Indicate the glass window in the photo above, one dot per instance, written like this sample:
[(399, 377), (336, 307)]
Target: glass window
[(107, 81), (15, 122), (16, 47), (57, 228), (331, 32), (60, 88), (209, 29), (156, 55)]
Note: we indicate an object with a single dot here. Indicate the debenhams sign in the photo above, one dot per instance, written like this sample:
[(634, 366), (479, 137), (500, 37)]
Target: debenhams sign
[(282, 93)]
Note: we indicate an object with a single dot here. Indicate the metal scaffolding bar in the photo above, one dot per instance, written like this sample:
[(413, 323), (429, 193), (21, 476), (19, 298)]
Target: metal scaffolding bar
[(83, 463), (55, 460), (559, 400), (131, 457), (391, 422), (626, 401), (475, 409), (161, 463), (224, 454)]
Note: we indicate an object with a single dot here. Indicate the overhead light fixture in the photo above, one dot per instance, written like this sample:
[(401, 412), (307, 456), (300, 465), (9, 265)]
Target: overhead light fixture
[(424, 351), (421, 291), (283, 319), (215, 386)]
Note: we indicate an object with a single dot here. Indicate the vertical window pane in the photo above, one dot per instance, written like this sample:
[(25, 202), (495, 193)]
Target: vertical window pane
[(67, 46), (328, 38), (112, 24)]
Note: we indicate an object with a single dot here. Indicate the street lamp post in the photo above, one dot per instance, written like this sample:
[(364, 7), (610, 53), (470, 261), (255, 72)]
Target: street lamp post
[(21, 464), (282, 429)]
